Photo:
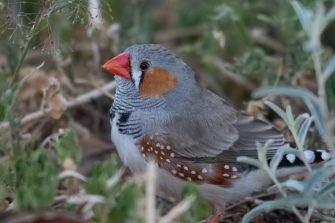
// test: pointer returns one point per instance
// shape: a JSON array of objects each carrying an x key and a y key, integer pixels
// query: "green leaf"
[
  {"x": 96, "y": 184},
  {"x": 36, "y": 181},
  {"x": 199, "y": 209},
  {"x": 67, "y": 146},
  {"x": 2, "y": 6},
  {"x": 125, "y": 208}
]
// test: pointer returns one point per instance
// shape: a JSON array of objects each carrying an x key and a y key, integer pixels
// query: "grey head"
[{"x": 156, "y": 74}]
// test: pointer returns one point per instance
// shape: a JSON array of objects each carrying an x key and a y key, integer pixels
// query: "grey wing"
[
  {"x": 217, "y": 128},
  {"x": 252, "y": 130}
]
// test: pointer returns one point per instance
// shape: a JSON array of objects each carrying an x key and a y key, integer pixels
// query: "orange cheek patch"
[{"x": 157, "y": 82}]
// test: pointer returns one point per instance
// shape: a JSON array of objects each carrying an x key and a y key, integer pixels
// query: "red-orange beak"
[{"x": 118, "y": 65}]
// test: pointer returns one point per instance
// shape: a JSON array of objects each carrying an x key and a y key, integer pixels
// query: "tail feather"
[{"x": 311, "y": 156}]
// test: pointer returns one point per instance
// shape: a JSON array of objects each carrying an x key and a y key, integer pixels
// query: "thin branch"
[
  {"x": 234, "y": 77},
  {"x": 177, "y": 210},
  {"x": 81, "y": 99},
  {"x": 150, "y": 194},
  {"x": 174, "y": 34}
]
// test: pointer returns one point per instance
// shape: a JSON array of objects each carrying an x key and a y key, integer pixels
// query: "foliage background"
[{"x": 58, "y": 160}]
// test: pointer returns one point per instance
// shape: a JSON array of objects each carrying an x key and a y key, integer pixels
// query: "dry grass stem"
[
  {"x": 150, "y": 193},
  {"x": 81, "y": 99},
  {"x": 177, "y": 210}
]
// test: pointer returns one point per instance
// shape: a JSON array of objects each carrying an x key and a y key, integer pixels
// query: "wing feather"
[{"x": 216, "y": 128}]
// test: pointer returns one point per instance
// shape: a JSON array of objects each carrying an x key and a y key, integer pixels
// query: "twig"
[
  {"x": 247, "y": 199},
  {"x": 259, "y": 36},
  {"x": 81, "y": 99},
  {"x": 150, "y": 193},
  {"x": 177, "y": 210},
  {"x": 170, "y": 35},
  {"x": 234, "y": 77}
]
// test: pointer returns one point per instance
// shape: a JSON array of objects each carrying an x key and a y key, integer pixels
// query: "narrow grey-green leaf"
[
  {"x": 310, "y": 100},
  {"x": 294, "y": 184},
  {"x": 315, "y": 110},
  {"x": 315, "y": 178},
  {"x": 276, "y": 109},
  {"x": 302, "y": 132},
  {"x": 250, "y": 161},
  {"x": 289, "y": 115},
  {"x": 329, "y": 68},
  {"x": 328, "y": 188},
  {"x": 330, "y": 16},
  {"x": 288, "y": 91},
  {"x": 283, "y": 203},
  {"x": 299, "y": 120},
  {"x": 305, "y": 16}
]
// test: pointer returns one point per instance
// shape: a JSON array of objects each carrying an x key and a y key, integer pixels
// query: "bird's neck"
[{"x": 127, "y": 99}]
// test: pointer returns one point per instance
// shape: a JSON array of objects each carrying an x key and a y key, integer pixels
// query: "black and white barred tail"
[{"x": 311, "y": 157}]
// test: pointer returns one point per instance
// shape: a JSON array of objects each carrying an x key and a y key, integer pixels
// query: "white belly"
[{"x": 127, "y": 149}]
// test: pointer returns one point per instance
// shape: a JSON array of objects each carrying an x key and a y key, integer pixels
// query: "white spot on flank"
[
  {"x": 189, "y": 178},
  {"x": 162, "y": 153},
  {"x": 181, "y": 174},
  {"x": 226, "y": 167},
  {"x": 193, "y": 172},
  {"x": 200, "y": 177},
  {"x": 178, "y": 165},
  {"x": 174, "y": 171},
  {"x": 156, "y": 152},
  {"x": 234, "y": 169},
  {"x": 168, "y": 147},
  {"x": 225, "y": 175},
  {"x": 185, "y": 168},
  {"x": 142, "y": 148},
  {"x": 172, "y": 154},
  {"x": 290, "y": 157},
  {"x": 167, "y": 160},
  {"x": 234, "y": 176},
  {"x": 162, "y": 147},
  {"x": 161, "y": 157},
  {"x": 158, "y": 145},
  {"x": 309, "y": 156},
  {"x": 204, "y": 170}
]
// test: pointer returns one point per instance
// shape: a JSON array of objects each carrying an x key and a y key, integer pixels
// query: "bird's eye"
[{"x": 144, "y": 65}]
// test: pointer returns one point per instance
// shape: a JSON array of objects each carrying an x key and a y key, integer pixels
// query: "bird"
[{"x": 161, "y": 114}]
